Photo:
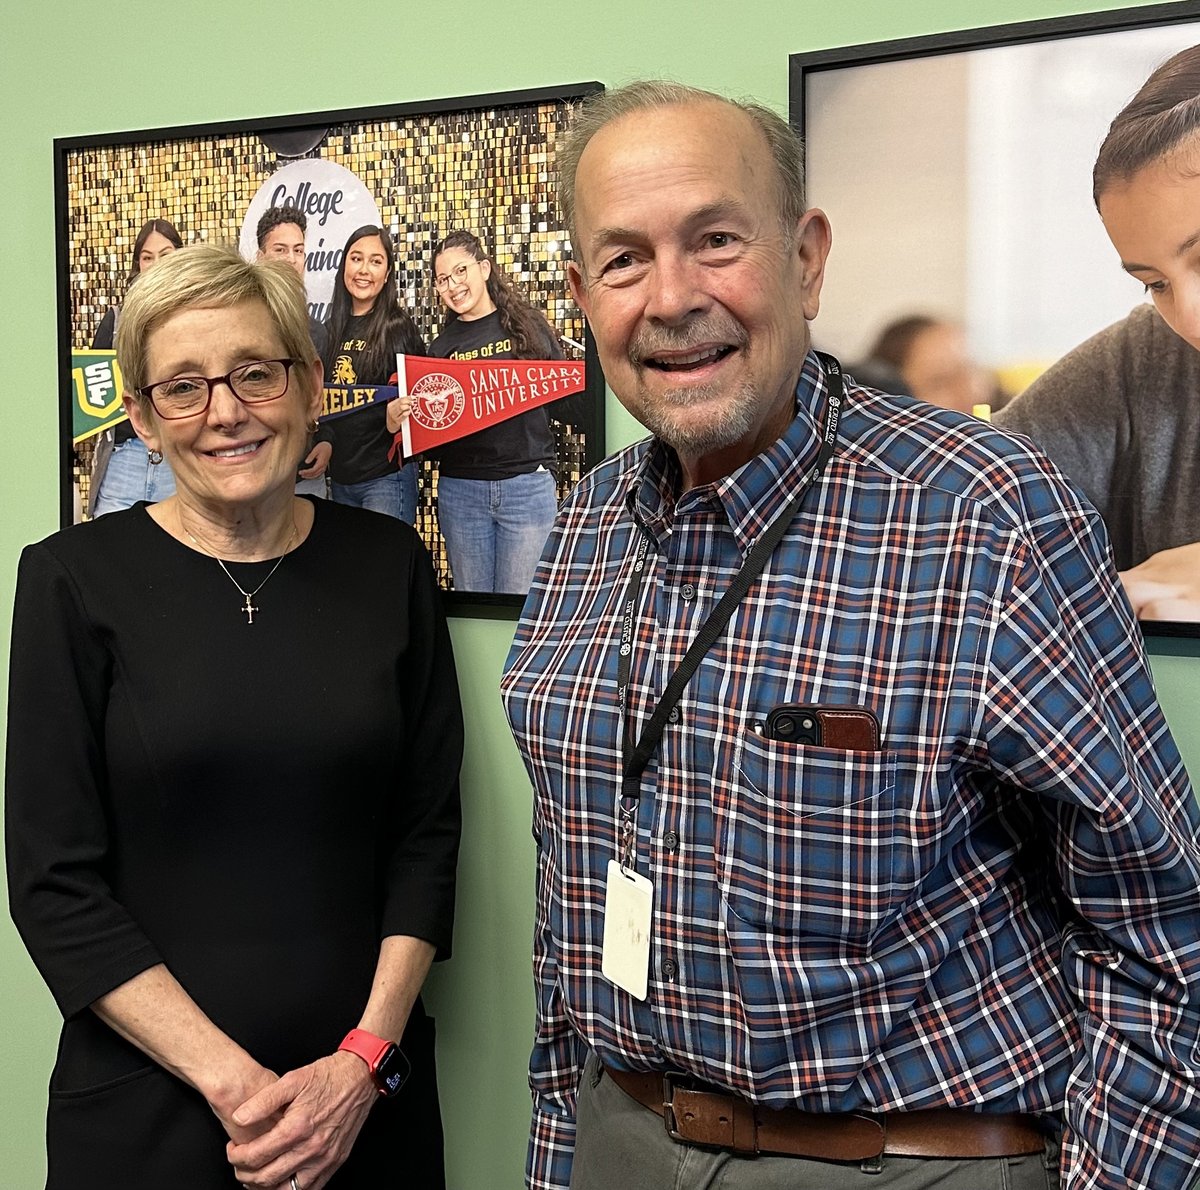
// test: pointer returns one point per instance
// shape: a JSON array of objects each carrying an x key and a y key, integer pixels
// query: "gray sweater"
[{"x": 1120, "y": 415}]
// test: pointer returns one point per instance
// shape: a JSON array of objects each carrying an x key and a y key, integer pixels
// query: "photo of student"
[
  {"x": 1118, "y": 413},
  {"x": 366, "y": 328},
  {"x": 496, "y": 497},
  {"x": 280, "y": 234},
  {"x": 123, "y": 471}
]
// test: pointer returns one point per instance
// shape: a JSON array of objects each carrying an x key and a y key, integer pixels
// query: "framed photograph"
[
  {"x": 481, "y": 165},
  {"x": 956, "y": 171}
]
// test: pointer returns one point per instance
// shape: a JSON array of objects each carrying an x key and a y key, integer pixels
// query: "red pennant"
[{"x": 453, "y": 398}]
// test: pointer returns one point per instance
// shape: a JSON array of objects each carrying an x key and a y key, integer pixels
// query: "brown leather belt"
[{"x": 700, "y": 1115}]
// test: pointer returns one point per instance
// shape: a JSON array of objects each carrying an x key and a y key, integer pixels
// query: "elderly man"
[
  {"x": 865, "y": 857},
  {"x": 280, "y": 235}
]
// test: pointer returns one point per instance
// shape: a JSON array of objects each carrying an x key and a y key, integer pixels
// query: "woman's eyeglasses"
[{"x": 187, "y": 396}]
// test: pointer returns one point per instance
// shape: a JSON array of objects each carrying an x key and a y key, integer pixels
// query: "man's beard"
[
  {"x": 729, "y": 418},
  {"x": 731, "y": 415}
]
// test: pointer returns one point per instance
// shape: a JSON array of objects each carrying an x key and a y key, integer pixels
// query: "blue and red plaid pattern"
[{"x": 999, "y": 910}]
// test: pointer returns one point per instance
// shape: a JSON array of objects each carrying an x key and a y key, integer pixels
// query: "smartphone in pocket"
[{"x": 852, "y": 728}]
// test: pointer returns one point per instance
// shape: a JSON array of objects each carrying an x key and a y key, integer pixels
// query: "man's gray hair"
[{"x": 785, "y": 146}]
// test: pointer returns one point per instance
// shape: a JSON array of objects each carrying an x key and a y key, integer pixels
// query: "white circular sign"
[
  {"x": 438, "y": 401},
  {"x": 334, "y": 202}
]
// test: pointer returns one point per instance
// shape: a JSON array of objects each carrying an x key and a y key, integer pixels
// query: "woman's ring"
[{"x": 295, "y": 1182}]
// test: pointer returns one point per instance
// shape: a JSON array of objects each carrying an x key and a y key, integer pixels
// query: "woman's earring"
[
  {"x": 155, "y": 458},
  {"x": 313, "y": 426}
]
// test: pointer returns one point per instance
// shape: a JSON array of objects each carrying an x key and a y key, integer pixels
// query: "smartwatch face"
[{"x": 392, "y": 1071}]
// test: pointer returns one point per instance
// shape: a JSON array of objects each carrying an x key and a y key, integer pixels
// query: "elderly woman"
[{"x": 232, "y": 783}]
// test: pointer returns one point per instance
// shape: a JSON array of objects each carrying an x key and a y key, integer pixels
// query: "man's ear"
[
  {"x": 143, "y": 423},
  {"x": 813, "y": 239},
  {"x": 578, "y": 288}
]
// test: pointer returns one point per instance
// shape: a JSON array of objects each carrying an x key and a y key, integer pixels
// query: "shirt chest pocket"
[{"x": 807, "y": 839}]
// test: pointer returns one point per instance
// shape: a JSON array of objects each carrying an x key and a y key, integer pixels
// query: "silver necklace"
[{"x": 249, "y": 607}]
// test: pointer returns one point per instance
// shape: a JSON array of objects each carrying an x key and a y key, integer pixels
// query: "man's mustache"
[{"x": 712, "y": 331}]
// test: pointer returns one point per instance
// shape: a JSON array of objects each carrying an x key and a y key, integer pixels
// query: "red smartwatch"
[{"x": 388, "y": 1066}]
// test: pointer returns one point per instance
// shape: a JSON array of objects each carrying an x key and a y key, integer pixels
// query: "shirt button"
[
  {"x": 688, "y": 592},
  {"x": 670, "y": 969},
  {"x": 670, "y": 840},
  {"x": 673, "y": 715}
]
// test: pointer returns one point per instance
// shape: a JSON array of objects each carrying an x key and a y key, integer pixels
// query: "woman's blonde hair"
[{"x": 204, "y": 276}]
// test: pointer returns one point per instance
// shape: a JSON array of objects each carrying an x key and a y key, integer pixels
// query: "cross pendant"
[{"x": 249, "y": 609}]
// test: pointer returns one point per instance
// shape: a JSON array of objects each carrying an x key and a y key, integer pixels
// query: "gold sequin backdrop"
[{"x": 488, "y": 170}]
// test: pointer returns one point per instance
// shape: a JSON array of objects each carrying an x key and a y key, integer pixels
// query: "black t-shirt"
[
  {"x": 514, "y": 447},
  {"x": 360, "y": 440},
  {"x": 319, "y": 335}
]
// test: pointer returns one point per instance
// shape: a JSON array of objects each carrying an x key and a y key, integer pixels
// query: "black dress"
[{"x": 254, "y": 805}]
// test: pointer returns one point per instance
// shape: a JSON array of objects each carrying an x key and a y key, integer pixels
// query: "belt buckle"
[
  {"x": 709, "y": 1118},
  {"x": 668, "y": 1095}
]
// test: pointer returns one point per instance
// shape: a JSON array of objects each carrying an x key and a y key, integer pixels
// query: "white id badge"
[{"x": 626, "y": 955}]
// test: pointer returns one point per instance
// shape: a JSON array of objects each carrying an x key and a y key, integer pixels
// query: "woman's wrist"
[
  {"x": 228, "y": 1083},
  {"x": 356, "y": 1066}
]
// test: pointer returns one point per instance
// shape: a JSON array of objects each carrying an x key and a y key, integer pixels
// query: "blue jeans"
[
  {"x": 130, "y": 477},
  {"x": 312, "y": 487},
  {"x": 496, "y": 529},
  {"x": 394, "y": 494}
]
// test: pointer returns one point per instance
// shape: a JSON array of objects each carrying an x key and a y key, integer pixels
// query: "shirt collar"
[{"x": 755, "y": 493}]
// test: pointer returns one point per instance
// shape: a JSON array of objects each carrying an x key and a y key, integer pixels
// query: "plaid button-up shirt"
[{"x": 999, "y": 909}]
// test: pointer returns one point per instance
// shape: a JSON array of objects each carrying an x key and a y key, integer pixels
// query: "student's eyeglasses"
[{"x": 455, "y": 276}]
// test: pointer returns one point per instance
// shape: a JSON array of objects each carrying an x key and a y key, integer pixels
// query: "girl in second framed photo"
[
  {"x": 1118, "y": 413},
  {"x": 366, "y": 328}
]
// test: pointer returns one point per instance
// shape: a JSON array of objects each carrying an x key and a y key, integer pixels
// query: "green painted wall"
[{"x": 72, "y": 68}]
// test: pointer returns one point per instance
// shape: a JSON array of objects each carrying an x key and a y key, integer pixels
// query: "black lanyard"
[{"x": 637, "y": 756}]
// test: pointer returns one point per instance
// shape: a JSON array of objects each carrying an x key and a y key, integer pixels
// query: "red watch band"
[{"x": 367, "y": 1046}]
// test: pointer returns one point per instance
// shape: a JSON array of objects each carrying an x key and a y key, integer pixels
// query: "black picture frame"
[
  {"x": 513, "y": 211},
  {"x": 805, "y": 67}
]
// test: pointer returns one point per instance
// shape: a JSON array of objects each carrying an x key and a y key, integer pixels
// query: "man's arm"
[
  {"x": 1071, "y": 715},
  {"x": 558, "y": 1053}
]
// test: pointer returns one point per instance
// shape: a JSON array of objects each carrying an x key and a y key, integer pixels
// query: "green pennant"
[{"x": 97, "y": 388}]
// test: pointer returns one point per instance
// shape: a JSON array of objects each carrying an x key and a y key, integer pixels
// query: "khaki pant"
[{"x": 621, "y": 1145}]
